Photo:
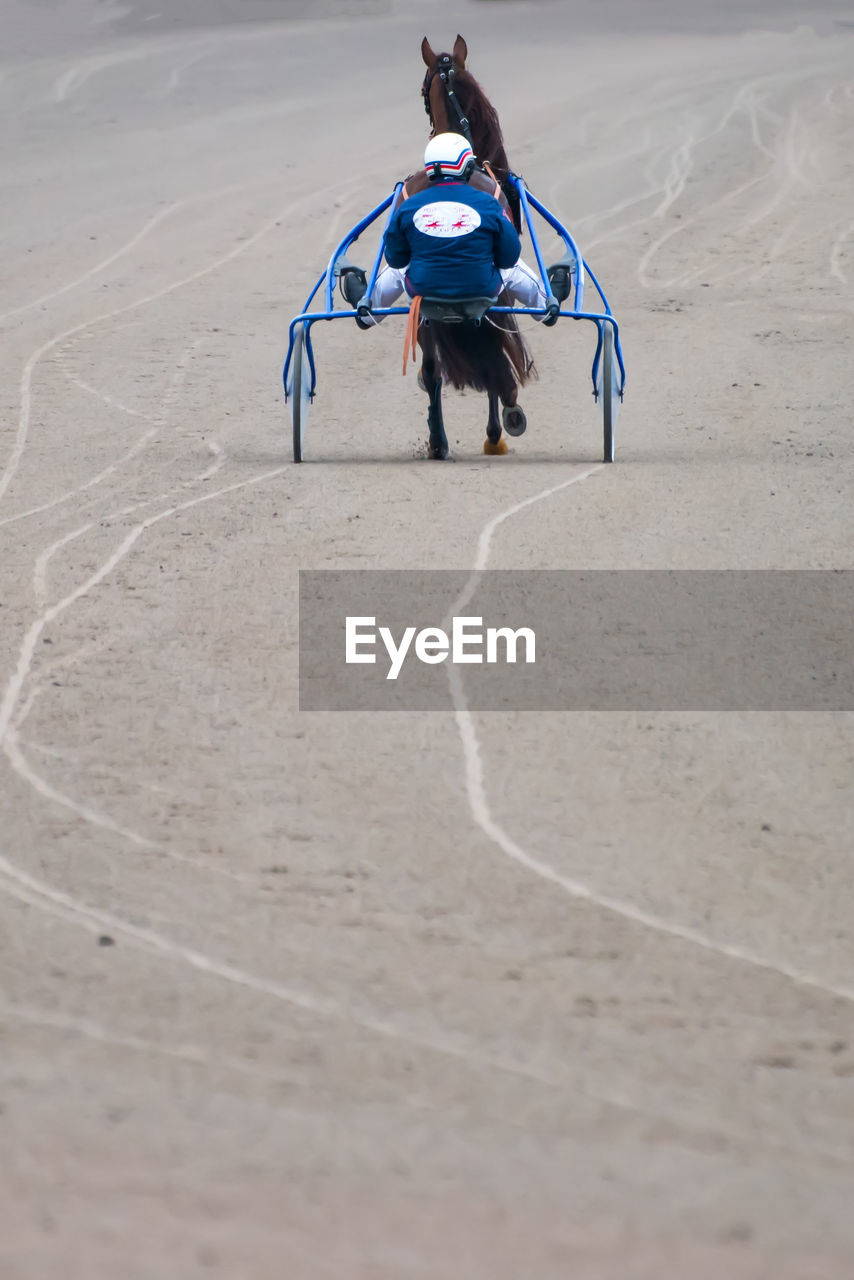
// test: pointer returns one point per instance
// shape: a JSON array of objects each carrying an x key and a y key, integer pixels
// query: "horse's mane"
[{"x": 482, "y": 117}]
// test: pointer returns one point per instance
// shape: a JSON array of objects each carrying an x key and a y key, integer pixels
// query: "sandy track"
[{"x": 471, "y": 995}]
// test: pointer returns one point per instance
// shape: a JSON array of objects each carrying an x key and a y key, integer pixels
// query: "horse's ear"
[
  {"x": 461, "y": 52},
  {"x": 428, "y": 55}
]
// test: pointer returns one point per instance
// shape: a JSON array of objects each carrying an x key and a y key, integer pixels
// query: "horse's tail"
[{"x": 491, "y": 356}]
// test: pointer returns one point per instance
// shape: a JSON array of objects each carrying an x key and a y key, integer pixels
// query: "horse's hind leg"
[
  {"x": 512, "y": 417},
  {"x": 438, "y": 443},
  {"x": 512, "y": 414},
  {"x": 493, "y": 442}
]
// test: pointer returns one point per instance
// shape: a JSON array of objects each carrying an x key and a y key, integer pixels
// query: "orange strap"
[
  {"x": 411, "y": 339},
  {"x": 497, "y": 191}
]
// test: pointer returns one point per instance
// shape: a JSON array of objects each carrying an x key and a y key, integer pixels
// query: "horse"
[{"x": 476, "y": 353}]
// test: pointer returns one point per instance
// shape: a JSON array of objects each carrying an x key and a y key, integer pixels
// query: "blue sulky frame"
[{"x": 608, "y": 373}]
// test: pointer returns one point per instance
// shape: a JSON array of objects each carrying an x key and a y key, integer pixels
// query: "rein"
[
  {"x": 445, "y": 71},
  {"x": 411, "y": 338}
]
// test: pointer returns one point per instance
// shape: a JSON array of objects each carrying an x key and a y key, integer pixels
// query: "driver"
[{"x": 451, "y": 240}]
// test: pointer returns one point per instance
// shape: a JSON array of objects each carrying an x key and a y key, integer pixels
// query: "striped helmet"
[{"x": 449, "y": 155}]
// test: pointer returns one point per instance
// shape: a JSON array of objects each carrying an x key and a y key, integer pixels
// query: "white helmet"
[{"x": 449, "y": 155}]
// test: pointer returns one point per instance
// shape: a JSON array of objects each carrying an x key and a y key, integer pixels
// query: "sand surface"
[{"x": 374, "y": 996}]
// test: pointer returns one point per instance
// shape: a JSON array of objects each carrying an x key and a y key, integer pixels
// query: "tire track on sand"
[
  {"x": 236, "y": 251},
  {"x": 492, "y": 829}
]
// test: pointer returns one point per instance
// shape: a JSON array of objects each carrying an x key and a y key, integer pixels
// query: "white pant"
[{"x": 522, "y": 284}]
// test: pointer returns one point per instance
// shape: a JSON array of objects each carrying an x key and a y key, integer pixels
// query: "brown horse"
[{"x": 485, "y": 355}]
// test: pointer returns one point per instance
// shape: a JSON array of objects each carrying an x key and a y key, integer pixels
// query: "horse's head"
[{"x": 443, "y": 74}]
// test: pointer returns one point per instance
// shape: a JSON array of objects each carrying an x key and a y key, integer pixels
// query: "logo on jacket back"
[{"x": 446, "y": 219}]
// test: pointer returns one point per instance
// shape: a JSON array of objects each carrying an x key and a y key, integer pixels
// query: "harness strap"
[
  {"x": 411, "y": 338},
  {"x": 465, "y": 128},
  {"x": 445, "y": 72},
  {"x": 497, "y": 192}
]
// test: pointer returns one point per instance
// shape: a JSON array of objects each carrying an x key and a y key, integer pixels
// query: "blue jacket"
[{"x": 454, "y": 239}]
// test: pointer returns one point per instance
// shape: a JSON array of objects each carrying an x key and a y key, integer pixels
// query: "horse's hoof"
[
  {"x": 439, "y": 453},
  {"x": 513, "y": 420},
  {"x": 495, "y": 446}
]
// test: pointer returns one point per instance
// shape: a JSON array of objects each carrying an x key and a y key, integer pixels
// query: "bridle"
[{"x": 446, "y": 71}]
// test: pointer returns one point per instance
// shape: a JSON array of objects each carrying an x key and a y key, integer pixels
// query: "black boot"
[
  {"x": 560, "y": 278},
  {"x": 353, "y": 283}
]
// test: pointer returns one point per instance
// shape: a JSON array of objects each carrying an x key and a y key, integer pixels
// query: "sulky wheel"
[
  {"x": 299, "y": 391},
  {"x": 610, "y": 390}
]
